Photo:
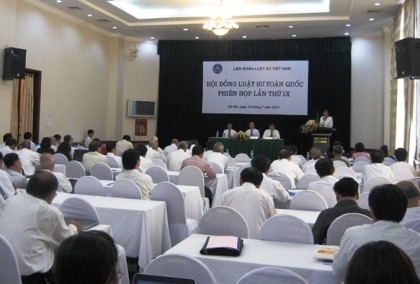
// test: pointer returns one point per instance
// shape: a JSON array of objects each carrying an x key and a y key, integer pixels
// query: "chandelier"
[{"x": 221, "y": 25}]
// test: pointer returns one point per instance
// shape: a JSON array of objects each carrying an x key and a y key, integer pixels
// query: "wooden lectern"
[{"x": 321, "y": 139}]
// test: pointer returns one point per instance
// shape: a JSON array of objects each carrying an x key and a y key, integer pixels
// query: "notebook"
[
  {"x": 84, "y": 223},
  {"x": 153, "y": 279}
]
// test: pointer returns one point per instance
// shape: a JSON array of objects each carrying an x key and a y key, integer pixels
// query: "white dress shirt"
[
  {"x": 176, "y": 158},
  {"x": 254, "y": 204},
  {"x": 64, "y": 184},
  {"x": 155, "y": 154},
  {"x": 324, "y": 186},
  {"x": 34, "y": 229},
  {"x": 218, "y": 158},
  {"x": 30, "y": 161},
  {"x": 124, "y": 145},
  {"x": 18, "y": 180},
  {"x": 275, "y": 134},
  {"x": 403, "y": 165},
  {"x": 375, "y": 170},
  {"x": 92, "y": 158},
  {"x": 169, "y": 149},
  {"x": 274, "y": 189},
  {"x": 231, "y": 134},
  {"x": 118, "y": 159},
  {"x": 145, "y": 164},
  {"x": 411, "y": 213},
  {"x": 87, "y": 141},
  {"x": 326, "y": 122},
  {"x": 309, "y": 166},
  {"x": 288, "y": 168},
  {"x": 144, "y": 181},
  {"x": 355, "y": 237},
  {"x": 6, "y": 185},
  {"x": 252, "y": 133},
  {"x": 6, "y": 150}
]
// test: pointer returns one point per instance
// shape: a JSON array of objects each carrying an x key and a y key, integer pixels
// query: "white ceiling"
[{"x": 264, "y": 19}]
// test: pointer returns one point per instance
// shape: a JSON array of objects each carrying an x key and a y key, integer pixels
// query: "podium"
[{"x": 321, "y": 139}]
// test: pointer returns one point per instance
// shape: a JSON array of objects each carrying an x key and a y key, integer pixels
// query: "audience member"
[
  {"x": 381, "y": 262},
  {"x": 252, "y": 131},
  {"x": 284, "y": 165},
  {"x": 377, "y": 168},
  {"x": 88, "y": 138},
  {"x": 273, "y": 187},
  {"x": 145, "y": 163},
  {"x": 65, "y": 149},
  {"x": 359, "y": 151},
  {"x": 69, "y": 139},
  {"x": 229, "y": 132},
  {"x": 93, "y": 156},
  {"x": 6, "y": 183},
  {"x": 388, "y": 205},
  {"x": 47, "y": 164},
  {"x": 131, "y": 164},
  {"x": 347, "y": 192},
  {"x": 154, "y": 151},
  {"x": 29, "y": 158},
  {"x": 35, "y": 228},
  {"x": 385, "y": 150},
  {"x": 401, "y": 155},
  {"x": 176, "y": 158},
  {"x": 325, "y": 169},
  {"x": 254, "y": 204},
  {"x": 89, "y": 257},
  {"x": 170, "y": 148},
  {"x": 338, "y": 155},
  {"x": 125, "y": 143},
  {"x": 28, "y": 136},
  {"x": 5, "y": 137},
  {"x": 271, "y": 132},
  {"x": 294, "y": 156},
  {"x": 45, "y": 146},
  {"x": 55, "y": 142},
  {"x": 10, "y": 146},
  {"x": 217, "y": 156},
  {"x": 309, "y": 166},
  {"x": 14, "y": 169},
  {"x": 110, "y": 152},
  {"x": 413, "y": 201}
]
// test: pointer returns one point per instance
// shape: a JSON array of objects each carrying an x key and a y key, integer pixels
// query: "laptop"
[
  {"x": 153, "y": 279},
  {"x": 84, "y": 223}
]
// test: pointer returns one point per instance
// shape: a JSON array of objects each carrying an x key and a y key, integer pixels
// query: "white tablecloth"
[
  {"x": 308, "y": 216},
  {"x": 234, "y": 174},
  {"x": 256, "y": 254},
  {"x": 140, "y": 226}
]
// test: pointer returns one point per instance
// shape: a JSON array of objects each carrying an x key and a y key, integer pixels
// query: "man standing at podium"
[{"x": 326, "y": 120}]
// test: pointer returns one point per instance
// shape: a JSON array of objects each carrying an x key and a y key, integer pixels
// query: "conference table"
[
  {"x": 256, "y": 254},
  {"x": 268, "y": 147},
  {"x": 309, "y": 217},
  {"x": 140, "y": 226}
]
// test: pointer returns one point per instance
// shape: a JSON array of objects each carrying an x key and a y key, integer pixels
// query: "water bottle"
[
  {"x": 307, "y": 156},
  {"x": 217, "y": 133},
  {"x": 251, "y": 155},
  {"x": 227, "y": 151}
]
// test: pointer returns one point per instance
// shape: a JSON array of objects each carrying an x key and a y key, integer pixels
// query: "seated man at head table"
[
  {"x": 14, "y": 169},
  {"x": 35, "y": 228},
  {"x": 93, "y": 156},
  {"x": 252, "y": 131},
  {"x": 271, "y": 132},
  {"x": 47, "y": 164},
  {"x": 388, "y": 205},
  {"x": 254, "y": 204},
  {"x": 229, "y": 132},
  {"x": 131, "y": 164},
  {"x": 217, "y": 156},
  {"x": 176, "y": 158},
  {"x": 347, "y": 192},
  {"x": 284, "y": 165},
  {"x": 413, "y": 200},
  {"x": 273, "y": 187}
]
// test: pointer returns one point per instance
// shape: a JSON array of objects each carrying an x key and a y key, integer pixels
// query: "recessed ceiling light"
[
  {"x": 114, "y": 27},
  {"x": 197, "y": 37},
  {"x": 371, "y": 19},
  {"x": 348, "y": 25},
  {"x": 89, "y": 15},
  {"x": 244, "y": 36},
  {"x": 290, "y": 27},
  {"x": 59, "y": 1},
  {"x": 293, "y": 35},
  {"x": 346, "y": 34},
  {"x": 377, "y": 4},
  {"x": 185, "y": 29},
  {"x": 152, "y": 37}
]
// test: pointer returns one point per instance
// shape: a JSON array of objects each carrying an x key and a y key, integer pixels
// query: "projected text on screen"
[{"x": 255, "y": 87}]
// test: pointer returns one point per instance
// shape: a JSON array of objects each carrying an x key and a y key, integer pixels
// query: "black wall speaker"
[
  {"x": 14, "y": 63},
  {"x": 407, "y": 53}
]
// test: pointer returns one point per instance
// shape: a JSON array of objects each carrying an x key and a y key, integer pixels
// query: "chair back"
[
  {"x": 112, "y": 162},
  {"x": 9, "y": 268},
  {"x": 282, "y": 178},
  {"x": 160, "y": 163},
  {"x": 181, "y": 266},
  {"x": 233, "y": 223},
  {"x": 345, "y": 171},
  {"x": 363, "y": 200},
  {"x": 328, "y": 193},
  {"x": 242, "y": 157},
  {"x": 118, "y": 152},
  {"x": 158, "y": 174},
  {"x": 231, "y": 163},
  {"x": 75, "y": 169},
  {"x": 361, "y": 159},
  {"x": 308, "y": 200},
  {"x": 341, "y": 224},
  {"x": 388, "y": 161},
  {"x": 358, "y": 166},
  {"x": 216, "y": 168},
  {"x": 339, "y": 164},
  {"x": 401, "y": 174},
  {"x": 302, "y": 159},
  {"x": 286, "y": 228},
  {"x": 305, "y": 180},
  {"x": 191, "y": 175},
  {"x": 126, "y": 189},
  {"x": 374, "y": 181},
  {"x": 413, "y": 224},
  {"x": 271, "y": 275},
  {"x": 102, "y": 171},
  {"x": 60, "y": 158},
  {"x": 89, "y": 185},
  {"x": 78, "y": 208}
]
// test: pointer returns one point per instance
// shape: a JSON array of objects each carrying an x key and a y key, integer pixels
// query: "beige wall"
[{"x": 88, "y": 75}]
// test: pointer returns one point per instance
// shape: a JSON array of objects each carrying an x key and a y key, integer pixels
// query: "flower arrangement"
[
  {"x": 309, "y": 126},
  {"x": 241, "y": 136}
]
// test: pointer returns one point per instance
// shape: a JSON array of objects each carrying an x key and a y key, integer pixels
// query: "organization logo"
[{"x": 217, "y": 68}]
